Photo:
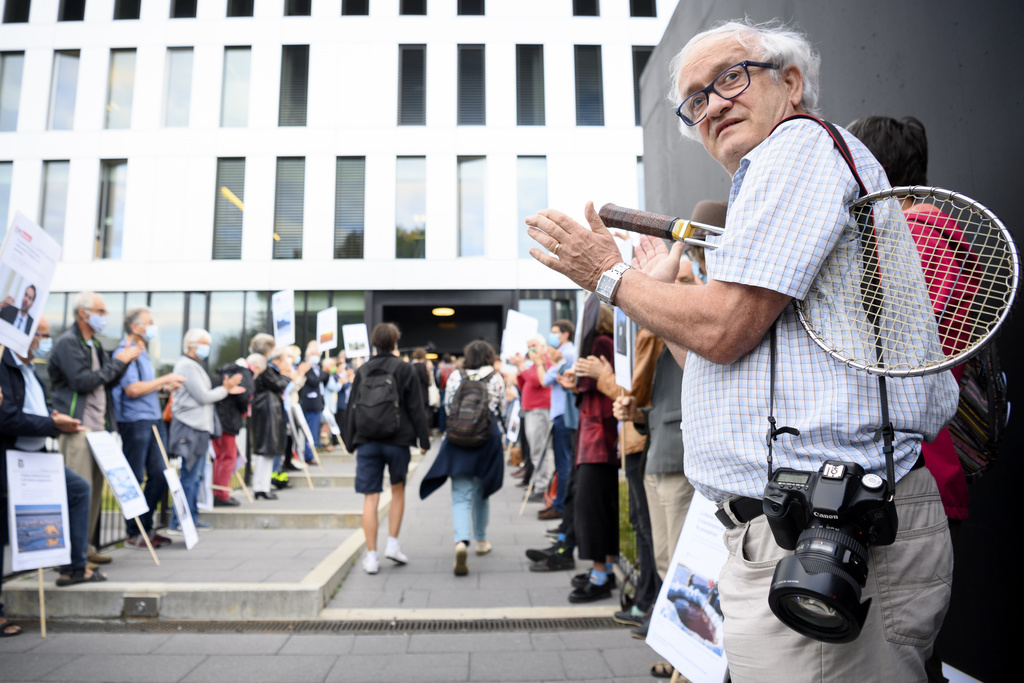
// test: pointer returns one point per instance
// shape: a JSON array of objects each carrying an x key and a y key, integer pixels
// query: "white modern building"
[{"x": 375, "y": 155}]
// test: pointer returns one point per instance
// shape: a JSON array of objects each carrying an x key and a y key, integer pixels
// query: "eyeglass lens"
[{"x": 728, "y": 85}]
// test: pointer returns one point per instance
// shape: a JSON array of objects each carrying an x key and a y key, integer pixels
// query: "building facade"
[{"x": 375, "y": 155}]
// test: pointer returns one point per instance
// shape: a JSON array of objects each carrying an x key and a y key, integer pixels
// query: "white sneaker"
[
  {"x": 396, "y": 555},
  {"x": 371, "y": 565},
  {"x": 460, "y": 559},
  {"x": 483, "y": 547}
]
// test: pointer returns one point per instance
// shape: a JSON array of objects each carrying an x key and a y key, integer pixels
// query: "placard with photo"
[
  {"x": 37, "y": 510},
  {"x": 28, "y": 259}
]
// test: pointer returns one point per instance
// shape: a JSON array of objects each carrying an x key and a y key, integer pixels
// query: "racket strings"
[{"x": 912, "y": 294}]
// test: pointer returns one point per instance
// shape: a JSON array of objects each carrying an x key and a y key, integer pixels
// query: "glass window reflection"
[
  {"x": 63, "y": 88},
  {"x": 169, "y": 316},
  {"x": 179, "y": 86},
  {"x": 411, "y": 207},
  {"x": 532, "y": 196},
  {"x": 472, "y": 182},
  {"x": 226, "y": 319},
  {"x": 121, "y": 85},
  {"x": 55, "y": 198},
  {"x": 235, "y": 93}
]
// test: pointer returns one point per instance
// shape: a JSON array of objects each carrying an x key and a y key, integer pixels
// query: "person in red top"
[{"x": 536, "y": 407}]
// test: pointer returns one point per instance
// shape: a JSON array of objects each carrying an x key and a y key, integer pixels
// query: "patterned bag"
[{"x": 983, "y": 412}]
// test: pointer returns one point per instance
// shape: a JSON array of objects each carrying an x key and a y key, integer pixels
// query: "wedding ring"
[{"x": 554, "y": 251}]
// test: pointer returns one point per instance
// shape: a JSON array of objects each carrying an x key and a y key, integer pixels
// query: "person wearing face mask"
[
  {"x": 311, "y": 397},
  {"x": 82, "y": 374},
  {"x": 137, "y": 410},
  {"x": 193, "y": 419}
]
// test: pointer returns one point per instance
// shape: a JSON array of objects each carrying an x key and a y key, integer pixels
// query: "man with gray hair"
[
  {"x": 82, "y": 374},
  {"x": 735, "y": 88},
  {"x": 137, "y": 410}
]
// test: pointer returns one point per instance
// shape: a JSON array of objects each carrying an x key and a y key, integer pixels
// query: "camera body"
[{"x": 838, "y": 496}]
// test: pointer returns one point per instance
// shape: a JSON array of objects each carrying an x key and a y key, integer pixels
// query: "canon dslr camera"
[{"x": 830, "y": 518}]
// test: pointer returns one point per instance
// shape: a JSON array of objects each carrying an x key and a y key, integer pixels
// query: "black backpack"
[
  {"x": 469, "y": 416},
  {"x": 377, "y": 411}
]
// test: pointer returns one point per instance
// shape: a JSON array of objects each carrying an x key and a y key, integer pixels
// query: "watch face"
[{"x": 604, "y": 286}]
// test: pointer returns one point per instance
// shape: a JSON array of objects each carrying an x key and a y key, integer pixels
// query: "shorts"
[{"x": 370, "y": 461}]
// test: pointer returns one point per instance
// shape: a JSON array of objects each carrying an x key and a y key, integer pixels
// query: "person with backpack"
[
  {"x": 471, "y": 453},
  {"x": 385, "y": 417}
]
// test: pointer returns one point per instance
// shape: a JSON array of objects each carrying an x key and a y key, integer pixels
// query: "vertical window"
[
  {"x": 412, "y": 85},
  {"x": 589, "y": 89},
  {"x": 126, "y": 9},
  {"x": 169, "y": 309},
  {"x": 234, "y": 112},
  {"x": 641, "y": 189},
  {"x": 472, "y": 86},
  {"x": 472, "y": 180},
  {"x": 119, "y": 89},
  {"x": 642, "y": 8},
  {"x": 641, "y": 53},
  {"x": 530, "y": 85},
  {"x": 297, "y": 8},
  {"x": 11, "y": 66},
  {"x": 6, "y": 167},
  {"x": 355, "y": 8},
  {"x": 63, "y": 87},
  {"x": 531, "y": 196},
  {"x": 179, "y": 87},
  {"x": 240, "y": 8},
  {"x": 110, "y": 231},
  {"x": 227, "y": 311},
  {"x": 16, "y": 11},
  {"x": 55, "y": 198},
  {"x": 228, "y": 207},
  {"x": 183, "y": 9},
  {"x": 411, "y": 207},
  {"x": 294, "y": 84},
  {"x": 412, "y": 7},
  {"x": 584, "y": 8},
  {"x": 471, "y": 7},
  {"x": 349, "y": 207},
  {"x": 71, "y": 10},
  {"x": 289, "y": 196}
]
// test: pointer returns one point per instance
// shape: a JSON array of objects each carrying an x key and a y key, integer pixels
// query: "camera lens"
[{"x": 814, "y": 611}]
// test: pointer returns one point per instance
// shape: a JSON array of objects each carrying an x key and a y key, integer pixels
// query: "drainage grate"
[{"x": 393, "y": 626}]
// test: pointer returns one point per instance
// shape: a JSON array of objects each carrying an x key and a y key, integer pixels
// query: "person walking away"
[
  {"x": 385, "y": 418},
  {"x": 471, "y": 453}
]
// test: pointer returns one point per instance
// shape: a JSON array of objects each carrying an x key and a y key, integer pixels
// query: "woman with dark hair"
[
  {"x": 476, "y": 473},
  {"x": 384, "y": 419},
  {"x": 597, "y": 470}
]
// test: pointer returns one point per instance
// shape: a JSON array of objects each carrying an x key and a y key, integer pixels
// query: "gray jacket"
[
  {"x": 665, "y": 453},
  {"x": 192, "y": 404}
]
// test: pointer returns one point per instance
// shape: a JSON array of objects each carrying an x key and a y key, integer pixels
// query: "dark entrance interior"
[{"x": 420, "y": 327}]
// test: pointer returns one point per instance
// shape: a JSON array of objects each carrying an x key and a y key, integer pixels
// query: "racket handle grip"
[{"x": 635, "y": 220}]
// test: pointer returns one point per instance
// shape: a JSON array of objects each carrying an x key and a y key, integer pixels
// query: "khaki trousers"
[
  {"x": 668, "y": 500},
  {"x": 909, "y": 583},
  {"x": 78, "y": 458}
]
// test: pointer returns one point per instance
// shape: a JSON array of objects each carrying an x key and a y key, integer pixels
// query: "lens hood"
[{"x": 816, "y": 602}]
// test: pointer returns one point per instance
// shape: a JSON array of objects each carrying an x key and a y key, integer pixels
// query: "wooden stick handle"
[
  {"x": 160, "y": 442},
  {"x": 42, "y": 605},
  {"x": 241, "y": 480},
  {"x": 634, "y": 220},
  {"x": 149, "y": 545}
]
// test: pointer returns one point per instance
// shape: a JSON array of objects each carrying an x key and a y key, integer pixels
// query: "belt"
[{"x": 748, "y": 509}]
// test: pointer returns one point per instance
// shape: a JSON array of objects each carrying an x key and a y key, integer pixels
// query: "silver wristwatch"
[{"x": 609, "y": 283}]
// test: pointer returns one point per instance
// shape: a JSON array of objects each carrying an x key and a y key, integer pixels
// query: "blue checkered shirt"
[{"x": 788, "y": 205}]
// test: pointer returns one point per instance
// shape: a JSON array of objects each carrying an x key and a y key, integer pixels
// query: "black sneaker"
[
  {"x": 640, "y": 632},
  {"x": 581, "y": 580},
  {"x": 555, "y": 562},
  {"x": 630, "y": 617},
  {"x": 541, "y": 555},
  {"x": 230, "y": 502},
  {"x": 591, "y": 592}
]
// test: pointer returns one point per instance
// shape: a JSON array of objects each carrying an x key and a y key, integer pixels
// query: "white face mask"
[
  {"x": 151, "y": 333},
  {"x": 313, "y": 358},
  {"x": 203, "y": 351}
]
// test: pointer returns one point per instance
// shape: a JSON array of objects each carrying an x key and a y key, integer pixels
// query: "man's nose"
[{"x": 717, "y": 104}]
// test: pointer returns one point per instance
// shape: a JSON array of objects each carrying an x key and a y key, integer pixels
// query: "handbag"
[{"x": 433, "y": 394}]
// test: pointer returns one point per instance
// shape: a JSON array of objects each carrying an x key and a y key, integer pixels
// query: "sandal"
[
  {"x": 9, "y": 630},
  {"x": 78, "y": 576},
  {"x": 662, "y": 669}
]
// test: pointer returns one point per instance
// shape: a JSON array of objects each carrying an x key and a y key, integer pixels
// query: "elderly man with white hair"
[
  {"x": 192, "y": 411},
  {"x": 536, "y": 402},
  {"x": 736, "y": 88}
]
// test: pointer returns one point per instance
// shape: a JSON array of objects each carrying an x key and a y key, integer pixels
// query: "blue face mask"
[
  {"x": 203, "y": 351},
  {"x": 553, "y": 340},
  {"x": 97, "y": 322},
  {"x": 151, "y": 333},
  {"x": 45, "y": 346}
]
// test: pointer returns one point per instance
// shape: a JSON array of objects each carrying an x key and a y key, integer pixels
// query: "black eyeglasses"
[{"x": 728, "y": 85}]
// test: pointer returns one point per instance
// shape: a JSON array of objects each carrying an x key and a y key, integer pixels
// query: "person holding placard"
[
  {"x": 137, "y": 409},
  {"x": 25, "y": 423},
  {"x": 82, "y": 374},
  {"x": 192, "y": 423},
  {"x": 311, "y": 397}
]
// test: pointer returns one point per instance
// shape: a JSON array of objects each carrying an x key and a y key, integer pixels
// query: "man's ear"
[{"x": 794, "y": 81}]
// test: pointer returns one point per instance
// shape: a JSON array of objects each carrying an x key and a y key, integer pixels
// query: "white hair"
[
  {"x": 193, "y": 338},
  {"x": 772, "y": 42},
  {"x": 257, "y": 361},
  {"x": 539, "y": 338},
  {"x": 83, "y": 302}
]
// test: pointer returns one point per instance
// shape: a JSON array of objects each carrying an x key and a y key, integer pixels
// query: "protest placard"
[
  {"x": 116, "y": 471},
  {"x": 28, "y": 259},
  {"x": 357, "y": 341},
  {"x": 686, "y": 622},
  {"x": 625, "y": 339},
  {"x": 282, "y": 308},
  {"x": 518, "y": 328},
  {"x": 327, "y": 329},
  {"x": 37, "y": 510},
  {"x": 188, "y": 525}
]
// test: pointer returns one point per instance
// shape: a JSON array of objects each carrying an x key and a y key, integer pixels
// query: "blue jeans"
[
  {"x": 197, "y": 443},
  {"x": 561, "y": 443},
  {"x": 143, "y": 452},
  {"x": 78, "y": 519},
  {"x": 313, "y": 420},
  {"x": 467, "y": 494}
]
